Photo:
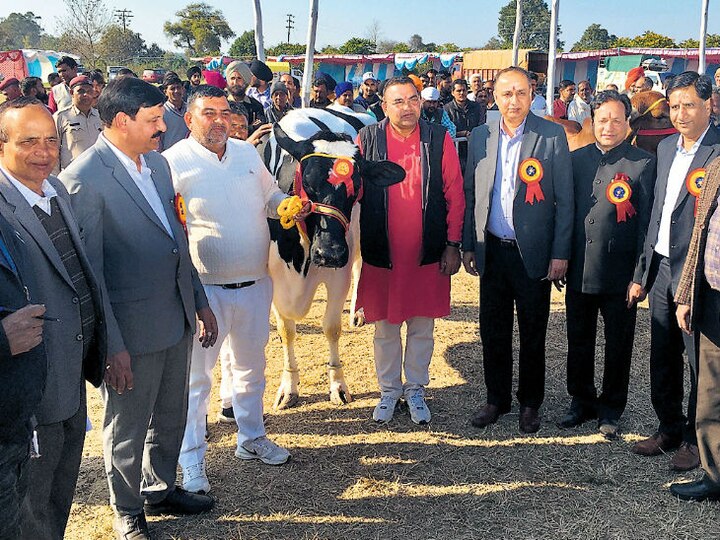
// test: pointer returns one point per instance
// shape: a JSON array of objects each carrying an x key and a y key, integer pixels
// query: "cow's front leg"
[
  {"x": 287, "y": 394},
  {"x": 332, "y": 328}
]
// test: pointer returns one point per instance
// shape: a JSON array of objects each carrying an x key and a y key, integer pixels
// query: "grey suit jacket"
[
  {"x": 152, "y": 286},
  {"x": 53, "y": 287},
  {"x": 543, "y": 229},
  {"x": 683, "y": 215}
]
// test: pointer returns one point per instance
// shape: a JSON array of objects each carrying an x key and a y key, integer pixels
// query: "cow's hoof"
[
  {"x": 358, "y": 319},
  {"x": 286, "y": 401},
  {"x": 340, "y": 397}
]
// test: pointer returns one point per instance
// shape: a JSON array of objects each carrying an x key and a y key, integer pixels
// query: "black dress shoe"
[
  {"x": 131, "y": 527},
  {"x": 699, "y": 490},
  {"x": 529, "y": 420},
  {"x": 608, "y": 428},
  {"x": 181, "y": 502},
  {"x": 576, "y": 416}
]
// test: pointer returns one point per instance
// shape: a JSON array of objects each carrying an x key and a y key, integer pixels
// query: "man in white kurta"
[{"x": 228, "y": 194}]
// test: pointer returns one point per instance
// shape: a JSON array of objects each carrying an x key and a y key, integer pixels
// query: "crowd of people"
[{"x": 135, "y": 268}]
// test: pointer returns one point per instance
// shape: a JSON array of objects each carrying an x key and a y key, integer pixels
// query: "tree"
[
  {"x": 119, "y": 47},
  {"x": 712, "y": 40},
  {"x": 200, "y": 29},
  {"x": 648, "y": 39},
  {"x": 357, "y": 45},
  {"x": 82, "y": 27},
  {"x": 535, "y": 30},
  {"x": 374, "y": 32},
  {"x": 447, "y": 48},
  {"x": 20, "y": 30},
  {"x": 416, "y": 43},
  {"x": 595, "y": 37},
  {"x": 330, "y": 49},
  {"x": 388, "y": 46},
  {"x": 286, "y": 48},
  {"x": 493, "y": 44},
  {"x": 244, "y": 45}
]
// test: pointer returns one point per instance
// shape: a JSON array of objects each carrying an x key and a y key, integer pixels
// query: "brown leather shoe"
[
  {"x": 529, "y": 420},
  {"x": 658, "y": 444},
  {"x": 489, "y": 414},
  {"x": 686, "y": 458}
]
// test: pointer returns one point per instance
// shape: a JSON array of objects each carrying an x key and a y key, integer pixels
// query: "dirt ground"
[{"x": 352, "y": 479}]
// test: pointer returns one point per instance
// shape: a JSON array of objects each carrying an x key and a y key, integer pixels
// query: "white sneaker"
[
  {"x": 385, "y": 409},
  {"x": 419, "y": 412},
  {"x": 194, "y": 478},
  {"x": 263, "y": 449}
]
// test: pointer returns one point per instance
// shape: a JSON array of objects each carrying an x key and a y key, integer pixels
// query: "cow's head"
[{"x": 331, "y": 173}]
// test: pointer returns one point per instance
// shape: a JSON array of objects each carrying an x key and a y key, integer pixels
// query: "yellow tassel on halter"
[{"x": 288, "y": 209}]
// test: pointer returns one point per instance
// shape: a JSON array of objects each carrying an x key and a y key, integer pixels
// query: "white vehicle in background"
[{"x": 654, "y": 68}]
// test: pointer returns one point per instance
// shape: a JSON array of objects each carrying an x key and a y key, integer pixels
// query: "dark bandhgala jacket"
[
  {"x": 608, "y": 236},
  {"x": 374, "y": 241}
]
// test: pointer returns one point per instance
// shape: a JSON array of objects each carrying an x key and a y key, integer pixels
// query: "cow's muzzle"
[{"x": 328, "y": 252}]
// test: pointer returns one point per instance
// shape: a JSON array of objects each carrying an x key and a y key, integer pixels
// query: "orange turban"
[
  {"x": 416, "y": 81},
  {"x": 633, "y": 75}
]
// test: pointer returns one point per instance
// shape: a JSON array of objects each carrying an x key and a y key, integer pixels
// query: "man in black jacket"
[
  {"x": 465, "y": 114},
  {"x": 613, "y": 190},
  {"x": 22, "y": 377}
]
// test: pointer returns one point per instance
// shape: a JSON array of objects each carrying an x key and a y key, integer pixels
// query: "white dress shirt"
[
  {"x": 33, "y": 199},
  {"x": 143, "y": 180},
  {"x": 500, "y": 221},
  {"x": 578, "y": 110},
  {"x": 675, "y": 184}
]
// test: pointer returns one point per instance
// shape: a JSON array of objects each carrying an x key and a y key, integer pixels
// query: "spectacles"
[{"x": 412, "y": 101}]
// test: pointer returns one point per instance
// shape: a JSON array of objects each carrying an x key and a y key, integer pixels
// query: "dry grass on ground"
[{"x": 355, "y": 480}]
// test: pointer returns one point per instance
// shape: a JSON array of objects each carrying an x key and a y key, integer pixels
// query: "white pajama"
[
  {"x": 390, "y": 363},
  {"x": 243, "y": 317}
]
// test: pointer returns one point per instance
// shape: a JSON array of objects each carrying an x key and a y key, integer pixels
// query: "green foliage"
[
  {"x": 244, "y": 46},
  {"x": 648, "y": 39},
  {"x": 535, "y": 29},
  {"x": 595, "y": 37},
  {"x": 330, "y": 49},
  {"x": 416, "y": 44},
  {"x": 200, "y": 29},
  {"x": 494, "y": 43},
  {"x": 20, "y": 30},
  {"x": 357, "y": 45},
  {"x": 286, "y": 48},
  {"x": 391, "y": 46},
  {"x": 447, "y": 48},
  {"x": 119, "y": 47},
  {"x": 711, "y": 40}
]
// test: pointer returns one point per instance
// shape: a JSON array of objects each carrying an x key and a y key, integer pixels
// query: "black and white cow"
[{"x": 329, "y": 172}]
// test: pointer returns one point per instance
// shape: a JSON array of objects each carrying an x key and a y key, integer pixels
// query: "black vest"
[{"x": 374, "y": 242}]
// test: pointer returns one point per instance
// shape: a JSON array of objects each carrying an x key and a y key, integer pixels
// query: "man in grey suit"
[
  {"x": 682, "y": 160},
  {"x": 37, "y": 206},
  {"x": 517, "y": 234},
  {"x": 123, "y": 196}
]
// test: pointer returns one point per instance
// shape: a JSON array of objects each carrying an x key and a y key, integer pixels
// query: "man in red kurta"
[{"x": 410, "y": 240}]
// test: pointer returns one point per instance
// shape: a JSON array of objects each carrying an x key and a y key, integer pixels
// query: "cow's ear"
[
  {"x": 381, "y": 173},
  {"x": 294, "y": 148}
]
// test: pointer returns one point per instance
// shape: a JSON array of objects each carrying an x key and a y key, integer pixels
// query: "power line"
[
  {"x": 123, "y": 16},
  {"x": 290, "y": 26}
]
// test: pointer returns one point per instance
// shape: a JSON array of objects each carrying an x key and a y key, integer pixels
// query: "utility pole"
[
  {"x": 290, "y": 26},
  {"x": 123, "y": 16}
]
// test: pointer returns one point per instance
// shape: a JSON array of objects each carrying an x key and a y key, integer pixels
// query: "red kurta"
[{"x": 409, "y": 289}]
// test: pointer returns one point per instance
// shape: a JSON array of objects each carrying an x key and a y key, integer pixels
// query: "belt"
[
  {"x": 236, "y": 285},
  {"x": 504, "y": 242}
]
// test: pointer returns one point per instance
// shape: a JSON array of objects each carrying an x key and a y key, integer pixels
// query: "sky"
[{"x": 468, "y": 23}]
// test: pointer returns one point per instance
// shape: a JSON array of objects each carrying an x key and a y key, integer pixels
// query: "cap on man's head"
[
  {"x": 261, "y": 71},
  {"x": 330, "y": 83},
  {"x": 80, "y": 80},
  {"x": 343, "y": 87},
  {"x": 8, "y": 83},
  {"x": 369, "y": 76},
  {"x": 430, "y": 93},
  {"x": 278, "y": 87},
  {"x": 239, "y": 67}
]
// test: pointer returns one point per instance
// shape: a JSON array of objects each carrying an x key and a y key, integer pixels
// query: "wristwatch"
[{"x": 453, "y": 244}]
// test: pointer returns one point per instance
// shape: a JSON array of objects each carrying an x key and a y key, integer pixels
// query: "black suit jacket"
[
  {"x": 22, "y": 377},
  {"x": 606, "y": 252},
  {"x": 683, "y": 215}
]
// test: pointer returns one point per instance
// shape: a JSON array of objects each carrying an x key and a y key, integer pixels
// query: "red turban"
[
  {"x": 214, "y": 78},
  {"x": 633, "y": 75}
]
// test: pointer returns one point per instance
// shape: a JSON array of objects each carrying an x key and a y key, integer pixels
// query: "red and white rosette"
[
  {"x": 531, "y": 172},
  {"x": 694, "y": 182},
  {"x": 619, "y": 192}
]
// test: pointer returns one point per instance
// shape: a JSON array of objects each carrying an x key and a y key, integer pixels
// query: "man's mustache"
[{"x": 157, "y": 134}]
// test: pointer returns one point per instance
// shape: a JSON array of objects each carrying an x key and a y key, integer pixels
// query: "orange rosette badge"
[
  {"x": 619, "y": 192},
  {"x": 341, "y": 173},
  {"x": 181, "y": 211},
  {"x": 694, "y": 182},
  {"x": 531, "y": 172}
]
